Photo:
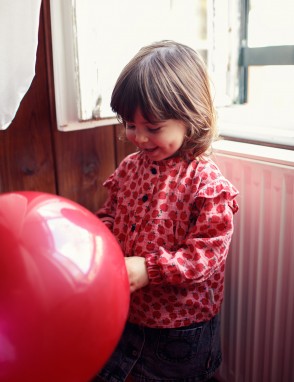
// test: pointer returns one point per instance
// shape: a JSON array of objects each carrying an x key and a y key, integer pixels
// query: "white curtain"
[{"x": 19, "y": 24}]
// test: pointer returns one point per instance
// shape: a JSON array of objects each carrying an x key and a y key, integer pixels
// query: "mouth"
[{"x": 150, "y": 150}]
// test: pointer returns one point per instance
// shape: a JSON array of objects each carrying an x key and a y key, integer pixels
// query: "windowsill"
[
  {"x": 83, "y": 125},
  {"x": 249, "y": 151},
  {"x": 261, "y": 126}
]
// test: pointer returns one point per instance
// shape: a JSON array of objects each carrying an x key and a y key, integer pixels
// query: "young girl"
[{"x": 171, "y": 210}]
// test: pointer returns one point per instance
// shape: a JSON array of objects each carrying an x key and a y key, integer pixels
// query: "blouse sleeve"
[
  {"x": 207, "y": 243},
  {"x": 107, "y": 212}
]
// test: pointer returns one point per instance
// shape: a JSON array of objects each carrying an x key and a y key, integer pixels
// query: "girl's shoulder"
[
  {"x": 205, "y": 168},
  {"x": 211, "y": 181}
]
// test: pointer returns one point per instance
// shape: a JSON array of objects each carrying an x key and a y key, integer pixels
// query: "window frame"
[{"x": 257, "y": 56}]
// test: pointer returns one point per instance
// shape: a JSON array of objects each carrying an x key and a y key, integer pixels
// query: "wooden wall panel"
[
  {"x": 26, "y": 157},
  {"x": 84, "y": 160}
]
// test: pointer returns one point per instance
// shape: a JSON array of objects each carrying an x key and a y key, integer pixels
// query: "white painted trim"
[{"x": 272, "y": 155}]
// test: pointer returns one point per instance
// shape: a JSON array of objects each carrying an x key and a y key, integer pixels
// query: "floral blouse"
[{"x": 178, "y": 214}]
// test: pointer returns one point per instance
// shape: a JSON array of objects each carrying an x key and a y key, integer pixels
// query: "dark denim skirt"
[{"x": 187, "y": 354}]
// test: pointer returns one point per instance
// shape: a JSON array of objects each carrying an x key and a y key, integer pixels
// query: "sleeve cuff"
[{"x": 153, "y": 269}]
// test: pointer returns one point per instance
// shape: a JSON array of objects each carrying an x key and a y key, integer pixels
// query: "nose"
[{"x": 141, "y": 137}]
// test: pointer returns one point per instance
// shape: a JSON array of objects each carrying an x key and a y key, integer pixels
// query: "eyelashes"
[{"x": 152, "y": 130}]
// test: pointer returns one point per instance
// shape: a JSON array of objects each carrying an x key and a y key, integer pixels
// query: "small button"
[
  {"x": 133, "y": 227},
  {"x": 153, "y": 170},
  {"x": 145, "y": 198}
]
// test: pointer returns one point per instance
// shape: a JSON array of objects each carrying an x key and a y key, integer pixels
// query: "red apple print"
[
  {"x": 209, "y": 253},
  {"x": 150, "y": 247},
  {"x": 181, "y": 231},
  {"x": 209, "y": 206},
  {"x": 184, "y": 215},
  {"x": 148, "y": 228},
  {"x": 161, "y": 195},
  {"x": 212, "y": 232},
  {"x": 180, "y": 205},
  {"x": 221, "y": 227},
  {"x": 168, "y": 224},
  {"x": 205, "y": 301},
  {"x": 199, "y": 267},
  {"x": 215, "y": 219},
  {"x": 160, "y": 241},
  {"x": 123, "y": 209},
  {"x": 201, "y": 218},
  {"x": 190, "y": 274},
  {"x": 163, "y": 260},
  {"x": 161, "y": 229},
  {"x": 138, "y": 210},
  {"x": 211, "y": 263},
  {"x": 156, "y": 306},
  {"x": 182, "y": 188},
  {"x": 176, "y": 279},
  {"x": 172, "y": 198},
  {"x": 155, "y": 214},
  {"x": 173, "y": 173},
  {"x": 173, "y": 184},
  {"x": 181, "y": 261},
  {"x": 172, "y": 215},
  {"x": 151, "y": 236},
  {"x": 188, "y": 255},
  {"x": 200, "y": 244},
  {"x": 209, "y": 190},
  {"x": 164, "y": 207}
]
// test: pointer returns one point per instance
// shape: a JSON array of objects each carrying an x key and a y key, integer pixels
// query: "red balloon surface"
[{"x": 64, "y": 290}]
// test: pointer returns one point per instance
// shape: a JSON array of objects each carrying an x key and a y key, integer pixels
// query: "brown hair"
[{"x": 168, "y": 80}]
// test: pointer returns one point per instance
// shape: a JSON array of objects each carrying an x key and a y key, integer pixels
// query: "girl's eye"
[
  {"x": 154, "y": 130},
  {"x": 130, "y": 127}
]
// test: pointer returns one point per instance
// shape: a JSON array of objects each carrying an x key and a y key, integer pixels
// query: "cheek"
[{"x": 130, "y": 135}]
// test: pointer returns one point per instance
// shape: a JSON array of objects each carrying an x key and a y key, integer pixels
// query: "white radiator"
[{"x": 258, "y": 309}]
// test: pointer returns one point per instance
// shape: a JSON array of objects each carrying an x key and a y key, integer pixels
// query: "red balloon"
[{"x": 64, "y": 290}]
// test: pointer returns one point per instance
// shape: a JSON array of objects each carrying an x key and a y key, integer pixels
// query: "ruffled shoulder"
[{"x": 213, "y": 184}]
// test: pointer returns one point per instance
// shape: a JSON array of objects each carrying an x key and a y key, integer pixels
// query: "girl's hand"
[{"x": 137, "y": 272}]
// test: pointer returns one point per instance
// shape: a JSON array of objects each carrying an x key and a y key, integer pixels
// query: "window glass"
[
  {"x": 110, "y": 32},
  {"x": 270, "y": 22}
]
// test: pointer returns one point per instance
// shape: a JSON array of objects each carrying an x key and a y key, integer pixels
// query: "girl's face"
[{"x": 159, "y": 140}]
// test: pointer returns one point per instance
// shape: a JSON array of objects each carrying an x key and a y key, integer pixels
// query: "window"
[
  {"x": 98, "y": 38},
  {"x": 265, "y": 76},
  {"x": 248, "y": 46}
]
